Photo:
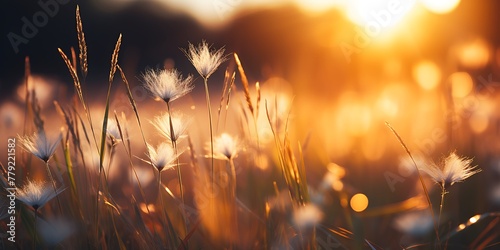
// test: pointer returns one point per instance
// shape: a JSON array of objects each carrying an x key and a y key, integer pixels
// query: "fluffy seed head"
[
  {"x": 416, "y": 223},
  {"x": 36, "y": 194},
  {"x": 307, "y": 216},
  {"x": 179, "y": 126},
  {"x": 162, "y": 157},
  {"x": 39, "y": 145},
  {"x": 452, "y": 169},
  {"x": 204, "y": 60},
  {"x": 113, "y": 131},
  {"x": 226, "y": 147},
  {"x": 167, "y": 85}
]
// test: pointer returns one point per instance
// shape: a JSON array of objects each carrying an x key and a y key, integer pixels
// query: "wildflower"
[
  {"x": 162, "y": 157},
  {"x": 417, "y": 223},
  {"x": 225, "y": 147},
  {"x": 167, "y": 85},
  {"x": 333, "y": 178},
  {"x": 37, "y": 194},
  {"x": 204, "y": 60},
  {"x": 39, "y": 145},
  {"x": 179, "y": 126},
  {"x": 453, "y": 169},
  {"x": 113, "y": 131},
  {"x": 307, "y": 216}
]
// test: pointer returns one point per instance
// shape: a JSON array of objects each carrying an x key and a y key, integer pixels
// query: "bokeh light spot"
[
  {"x": 461, "y": 84},
  {"x": 359, "y": 202},
  {"x": 427, "y": 74}
]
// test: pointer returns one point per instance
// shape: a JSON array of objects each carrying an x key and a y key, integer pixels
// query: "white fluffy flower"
[
  {"x": 37, "y": 194},
  {"x": 162, "y": 157},
  {"x": 226, "y": 147},
  {"x": 167, "y": 85},
  {"x": 416, "y": 223},
  {"x": 179, "y": 126},
  {"x": 452, "y": 169},
  {"x": 39, "y": 145},
  {"x": 307, "y": 216},
  {"x": 204, "y": 60}
]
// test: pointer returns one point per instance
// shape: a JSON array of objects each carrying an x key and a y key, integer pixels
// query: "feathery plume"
[
  {"x": 452, "y": 169},
  {"x": 203, "y": 59},
  {"x": 226, "y": 147},
  {"x": 167, "y": 85},
  {"x": 162, "y": 157},
  {"x": 179, "y": 126},
  {"x": 36, "y": 194},
  {"x": 39, "y": 145},
  {"x": 113, "y": 131},
  {"x": 416, "y": 223},
  {"x": 307, "y": 216}
]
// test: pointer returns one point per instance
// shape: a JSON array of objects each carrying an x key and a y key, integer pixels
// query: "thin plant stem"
[
  {"x": 161, "y": 198},
  {"x": 35, "y": 232},
  {"x": 443, "y": 192},
  {"x": 233, "y": 196},
  {"x": 166, "y": 221},
  {"x": 53, "y": 184},
  {"x": 205, "y": 80},
  {"x": 179, "y": 175}
]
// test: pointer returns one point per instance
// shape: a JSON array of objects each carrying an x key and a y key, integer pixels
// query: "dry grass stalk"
[
  {"x": 82, "y": 46},
  {"x": 419, "y": 176},
  {"x": 257, "y": 102},
  {"x": 244, "y": 81}
]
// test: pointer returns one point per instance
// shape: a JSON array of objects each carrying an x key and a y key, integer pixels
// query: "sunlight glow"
[
  {"x": 385, "y": 13},
  {"x": 440, "y": 6}
]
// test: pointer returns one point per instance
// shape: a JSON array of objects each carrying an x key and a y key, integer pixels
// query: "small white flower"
[
  {"x": 39, "y": 145},
  {"x": 162, "y": 157},
  {"x": 225, "y": 147},
  {"x": 416, "y": 223},
  {"x": 452, "y": 169},
  {"x": 204, "y": 60},
  {"x": 113, "y": 131},
  {"x": 307, "y": 216},
  {"x": 179, "y": 125},
  {"x": 36, "y": 194},
  {"x": 167, "y": 85}
]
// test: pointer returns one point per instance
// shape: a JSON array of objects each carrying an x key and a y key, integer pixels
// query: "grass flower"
[
  {"x": 452, "y": 169},
  {"x": 162, "y": 157},
  {"x": 167, "y": 85},
  {"x": 417, "y": 223},
  {"x": 113, "y": 131},
  {"x": 203, "y": 59},
  {"x": 174, "y": 133},
  {"x": 36, "y": 194},
  {"x": 307, "y": 216},
  {"x": 225, "y": 147},
  {"x": 206, "y": 62},
  {"x": 39, "y": 145}
]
